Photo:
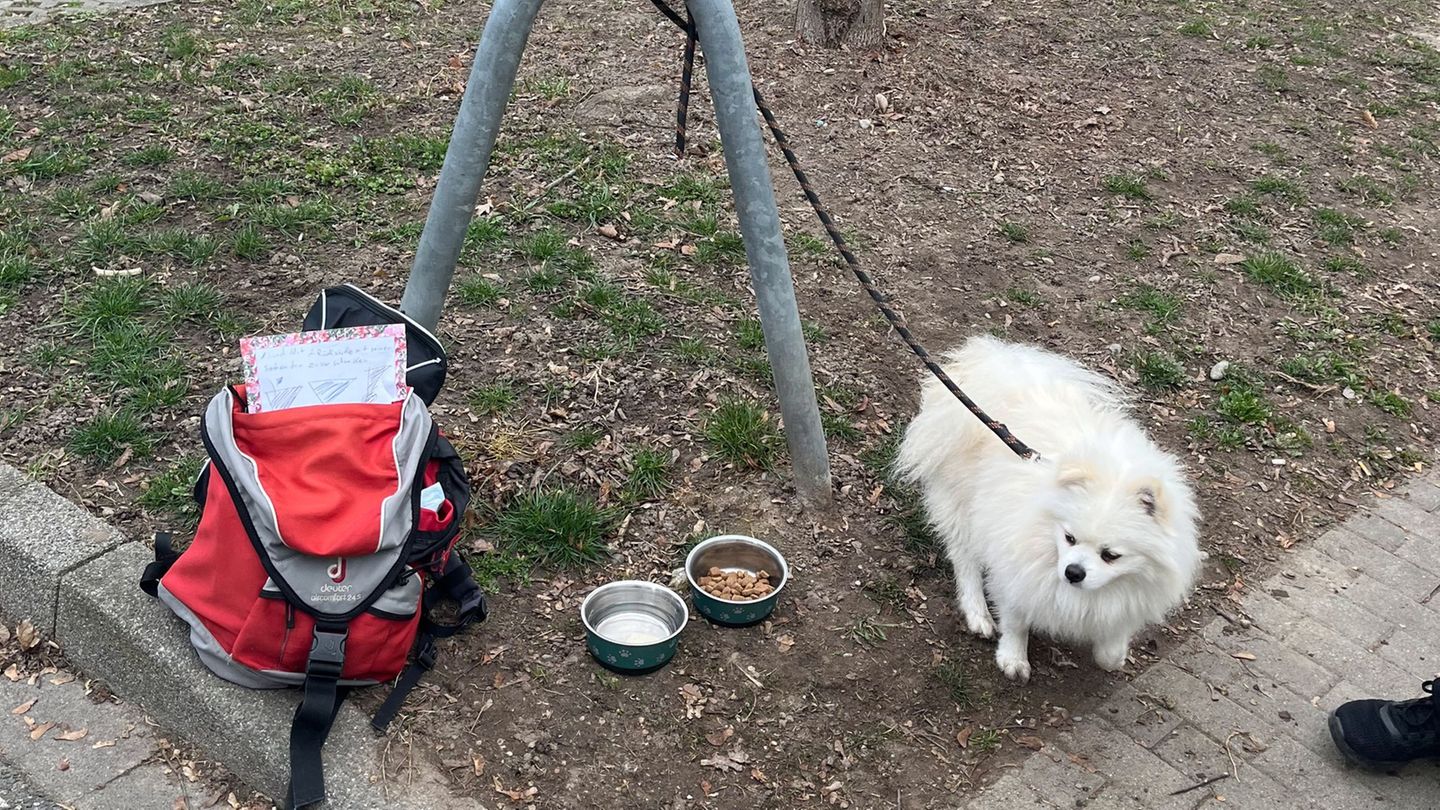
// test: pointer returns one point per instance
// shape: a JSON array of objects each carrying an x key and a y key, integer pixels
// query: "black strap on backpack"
[
  {"x": 316, "y": 714},
  {"x": 165, "y": 556},
  {"x": 456, "y": 583}
]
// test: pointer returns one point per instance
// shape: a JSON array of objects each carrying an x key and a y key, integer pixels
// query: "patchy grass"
[
  {"x": 953, "y": 676},
  {"x": 985, "y": 740},
  {"x": 584, "y": 438},
  {"x": 1243, "y": 206},
  {"x": 1198, "y": 28},
  {"x": 555, "y": 528},
  {"x": 749, "y": 335},
  {"x": 109, "y": 303},
  {"x": 839, "y": 427},
  {"x": 1158, "y": 371},
  {"x": 887, "y": 592},
  {"x": 649, "y": 474},
  {"x": 1273, "y": 78},
  {"x": 194, "y": 302},
  {"x": 1324, "y": 367},
  {"x": 1162, "y": 308},
  {"x": 1242, "y": 402},
  {"x": 742, "y": 432},
  {"x": 1346, "y": 264},
  {"x": 1129, "y": 186},
  {"x": 493, "y": 400},
  {"x": 1281, "y": 274},
  {"x": 106, "y": 437},
  {"x": 1205, "y": 431},
  {"x": 1279, "y": 187},
  {"x": 1391, "y": 402},
  {"x": 171, "y": 493},
  {"x": 1024, "y": 297},
  {"x": 1014, "y": 231},
  {"x": 479, "y": 292},
  {"x": 1337, "y": 228}
]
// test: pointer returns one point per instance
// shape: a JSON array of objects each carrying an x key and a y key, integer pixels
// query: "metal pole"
[
  {"x": 730, "y": 88},
  {"x": 492, "y": 76}
]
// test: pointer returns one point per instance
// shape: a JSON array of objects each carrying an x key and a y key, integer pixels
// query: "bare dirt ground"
[{"x": 1152, "y": 188}]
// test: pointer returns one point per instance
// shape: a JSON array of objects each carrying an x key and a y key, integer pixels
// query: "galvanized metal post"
[
  {"x": 754, "y": 190},
  {"x": 492, "y": 77}
]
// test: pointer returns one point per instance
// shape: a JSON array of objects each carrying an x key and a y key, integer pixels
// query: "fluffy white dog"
[{"x": 1090, "y": 544}]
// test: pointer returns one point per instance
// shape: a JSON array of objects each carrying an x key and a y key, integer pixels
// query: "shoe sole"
[{"x": 1337, "y": 734}]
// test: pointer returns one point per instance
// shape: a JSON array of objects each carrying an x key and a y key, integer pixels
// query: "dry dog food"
[{"x": 737, "y": 586}]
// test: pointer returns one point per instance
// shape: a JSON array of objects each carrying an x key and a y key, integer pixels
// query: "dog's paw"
[
  {"x": 980, "y": 623},
  {"x": 1111, "y": 658},
  {"x": 1015, "y": 666}
]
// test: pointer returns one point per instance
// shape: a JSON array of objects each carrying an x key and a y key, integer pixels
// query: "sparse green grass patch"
[
  {"x": 103, "y": 439},
  {"x": 742, "y": 432},
  {"x": 1158, "y": 371},
  {"x": 555, "y": 528},
  {"x": 1281, "y": 274},
  {"x": 1130, "y": 186}
]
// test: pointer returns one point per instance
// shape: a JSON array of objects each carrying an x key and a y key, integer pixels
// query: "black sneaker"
[{"x": 1388, "y": 733}]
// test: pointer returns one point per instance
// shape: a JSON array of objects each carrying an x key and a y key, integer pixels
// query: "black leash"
[{"x": 882, "y": 301}]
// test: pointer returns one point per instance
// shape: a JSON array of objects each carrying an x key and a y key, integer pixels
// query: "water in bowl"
[{"x": 633, "y": 629}]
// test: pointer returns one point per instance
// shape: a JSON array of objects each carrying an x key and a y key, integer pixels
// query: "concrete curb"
[
  {"x": 77, "y": 578},
  {"x": 43, "y": 538}
]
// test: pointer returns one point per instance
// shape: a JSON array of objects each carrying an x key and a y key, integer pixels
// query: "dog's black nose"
[{"x": 1075, "y": 572}]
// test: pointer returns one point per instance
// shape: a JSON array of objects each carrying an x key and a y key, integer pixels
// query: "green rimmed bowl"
[
  {"x": 735, "y": 552},
  {"x": 633, "y": 627}
]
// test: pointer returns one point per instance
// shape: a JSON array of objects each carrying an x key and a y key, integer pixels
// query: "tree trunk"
[{"x": 831, "y": 23}]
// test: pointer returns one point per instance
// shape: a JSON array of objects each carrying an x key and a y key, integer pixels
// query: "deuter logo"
[{"x": 336, "y": 572}]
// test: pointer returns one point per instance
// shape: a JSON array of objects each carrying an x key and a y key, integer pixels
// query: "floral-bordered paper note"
[{"x": 325, "y": 367}]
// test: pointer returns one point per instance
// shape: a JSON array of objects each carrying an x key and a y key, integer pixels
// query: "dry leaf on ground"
[
  {"x": 27, "y": 635},
  {"x": 1031, "y": 742}
]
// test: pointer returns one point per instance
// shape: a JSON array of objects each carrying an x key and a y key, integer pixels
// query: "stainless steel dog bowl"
[
  {"x": 735, "y": 552},
  {"x": 633, "y": 627}
]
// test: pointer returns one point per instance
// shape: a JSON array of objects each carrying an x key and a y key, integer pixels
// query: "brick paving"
[{"x": 1247, "y": 699}]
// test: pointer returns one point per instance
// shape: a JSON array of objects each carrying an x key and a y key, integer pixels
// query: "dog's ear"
[
  {"x": 1152, "y": 499},
  {"x": 1074, "y": 475}
]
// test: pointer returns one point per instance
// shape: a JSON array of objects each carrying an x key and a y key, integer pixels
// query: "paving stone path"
[
  {"x": 63, "y": 750},
  {"x": 1355, "y": 614},
  {"x": 15, "y": 13}
]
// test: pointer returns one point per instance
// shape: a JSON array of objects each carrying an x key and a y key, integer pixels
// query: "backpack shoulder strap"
[{"x": 457, "y": 583}]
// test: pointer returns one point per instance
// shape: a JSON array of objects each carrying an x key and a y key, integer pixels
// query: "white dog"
[{"x": 1090, "y": 544}]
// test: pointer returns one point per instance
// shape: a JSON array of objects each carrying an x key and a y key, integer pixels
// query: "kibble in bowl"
[
  {"x": 735, "y": 580},
  {"x": 737, "y": 586}
]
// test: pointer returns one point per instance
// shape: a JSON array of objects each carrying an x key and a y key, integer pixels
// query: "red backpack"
[{"x": 325, "y": 536}]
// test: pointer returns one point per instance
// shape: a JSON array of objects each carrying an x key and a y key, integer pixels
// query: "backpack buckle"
[{"x": 327, "y": 653}]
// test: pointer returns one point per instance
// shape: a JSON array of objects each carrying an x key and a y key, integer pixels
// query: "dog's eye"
[
  {"x": 1108, "y": 556},
  {"x": 1069, "y": 539}
]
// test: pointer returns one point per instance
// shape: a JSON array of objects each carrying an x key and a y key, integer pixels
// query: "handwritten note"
[{"x": 324, "y": 367}]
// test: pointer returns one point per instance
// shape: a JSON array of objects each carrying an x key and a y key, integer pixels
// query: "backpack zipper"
[{"x": 289, "y": 625}]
